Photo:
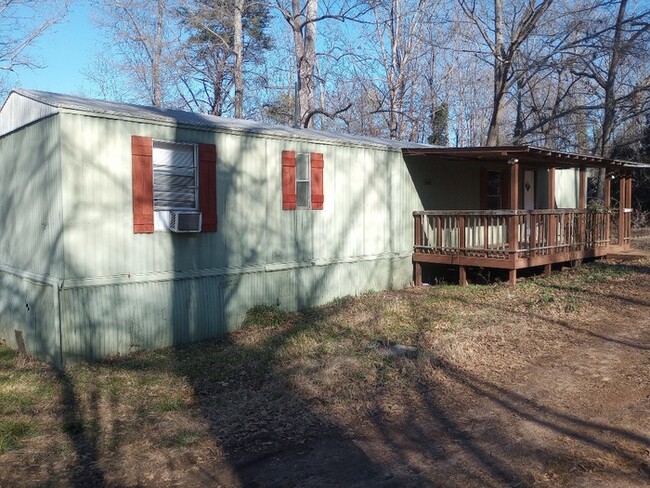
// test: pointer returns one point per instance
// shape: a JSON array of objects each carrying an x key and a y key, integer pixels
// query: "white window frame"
[
  {"x": 308, "y": 181},
  {"x": 162, "y": 216}
]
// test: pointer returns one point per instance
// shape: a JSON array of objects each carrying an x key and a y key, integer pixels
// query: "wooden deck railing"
[{"x": 510, "y": 235}]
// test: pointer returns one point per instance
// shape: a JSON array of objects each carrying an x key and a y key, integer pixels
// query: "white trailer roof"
[{"x": 23, "y": 107}]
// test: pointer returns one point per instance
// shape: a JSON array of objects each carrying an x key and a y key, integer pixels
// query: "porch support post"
[
  {"x": 513, "y": 230},
  {"x": 607, "y": 202},
  {"x": 628, "y": 204},
  {"x": 514, "y": 185},
  {"x": 622, "y": 199},
  {"x": 552, "y": 224},
  {"x": 582, "y": 188},
  {"x": 582, "y": 204},
  {"x": 551, "y": 188}
]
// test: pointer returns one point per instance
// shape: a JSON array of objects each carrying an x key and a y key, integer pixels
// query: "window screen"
[
  {"x": 303, "y": 181},
  {"x": 175, "y": 185}
]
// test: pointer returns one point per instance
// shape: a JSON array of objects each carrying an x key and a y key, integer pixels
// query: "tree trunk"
[
  {"x": 609, "y": 112},
  {"x": 307, "y": 65},
  {"x": 500, "y": 77},
  {"x": 156, "y": 59},
  {"x": 238, "y": 51}
]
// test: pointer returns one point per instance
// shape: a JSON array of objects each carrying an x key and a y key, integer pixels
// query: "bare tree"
[
  {"x": 504, "y": 39},
  {"x": 595, "y": 81},
  {"x": 238, "y": 52},
  {"x": 142, "y": 44},
  {"x": 398, "y": 36},
  {"x": 22, "y": 22},
  {"x": 223, "y": 36},
  {"x": 302, "y": 17}
]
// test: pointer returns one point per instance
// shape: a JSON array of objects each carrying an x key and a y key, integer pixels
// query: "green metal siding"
[
  {"x": 124, "y": 291},
  {"x": 31, "y": 251},
  {"x": 30, "y": 238},
  {"x": 29, "y": 307},
  {"x": 118, "y": 319},
  {"x": 444, "y": 185}
]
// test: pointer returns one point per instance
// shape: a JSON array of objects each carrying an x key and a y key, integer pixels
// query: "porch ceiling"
[{"x": 524, "y": 154}]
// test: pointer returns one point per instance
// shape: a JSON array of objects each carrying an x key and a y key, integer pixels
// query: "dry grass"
[{"x": 284, "y": 379}]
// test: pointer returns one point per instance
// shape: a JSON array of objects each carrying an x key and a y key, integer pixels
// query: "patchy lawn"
[{"x": 544, "y": 385}]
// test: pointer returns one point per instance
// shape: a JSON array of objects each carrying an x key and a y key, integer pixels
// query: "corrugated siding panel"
[
  {"x": 361, "y": 204},
  {"x": 29, "y": 307},
  {"x": 30, "y": 237},
  {"x": 119, "y": 319},
  {"x": 369, "y": 199}
]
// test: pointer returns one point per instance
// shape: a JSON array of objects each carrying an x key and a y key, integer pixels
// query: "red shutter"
[
  {"x": 289, "y": 180},
  {"x": 317, "y": 194},
  {"x": 208, "y": 186},
  {"x": 142, "y": 169}
]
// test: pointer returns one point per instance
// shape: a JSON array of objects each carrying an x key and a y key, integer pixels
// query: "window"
[
  {"x": 171, "y": 176},
  {"x": 175, "y": 179},
  {"x": 493, "y": 190},
  {"x": 302, "y": 181}
]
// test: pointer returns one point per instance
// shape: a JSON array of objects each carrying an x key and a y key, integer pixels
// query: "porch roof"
[{"x": 523, "y": 154}]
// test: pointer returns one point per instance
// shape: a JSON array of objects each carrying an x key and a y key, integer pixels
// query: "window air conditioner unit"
[{"x": 185, "y": 221}]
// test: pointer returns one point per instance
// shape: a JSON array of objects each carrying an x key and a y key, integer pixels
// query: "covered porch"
[{"x": 510, "y": 231}]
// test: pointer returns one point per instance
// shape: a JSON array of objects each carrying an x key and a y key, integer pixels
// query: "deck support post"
[
  {"x": 512, "y": 277},
  {"x": 417, "y": 271},
  {"x": 547, "y": 270},
  {"x": 462, "y": 276}
]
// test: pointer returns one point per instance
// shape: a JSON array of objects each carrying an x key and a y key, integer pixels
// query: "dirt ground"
[
  {"x": 549, "y": 388},
  {"x": 566, "y": 406}
]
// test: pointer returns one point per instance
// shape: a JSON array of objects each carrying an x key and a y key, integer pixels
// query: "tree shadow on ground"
[
  {"x": 270, "y": 434},
  {"x": 82, "y": 432}
]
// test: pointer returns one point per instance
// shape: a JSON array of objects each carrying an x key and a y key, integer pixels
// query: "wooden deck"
[{"x": 509, "y": 239}]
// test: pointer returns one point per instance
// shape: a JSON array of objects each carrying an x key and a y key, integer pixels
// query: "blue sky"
[{"x": 65, "y": 52}]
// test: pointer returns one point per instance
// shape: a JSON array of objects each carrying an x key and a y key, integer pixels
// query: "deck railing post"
[
  {"x": 513, "y": 236},
  {"x": 461, "y": 234},
  {"x": 417, "y": 266},
  {"x": 532, "y": 243},
  {"x": 418, "y": 229},
  {"x": 486, "y": 236}
]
